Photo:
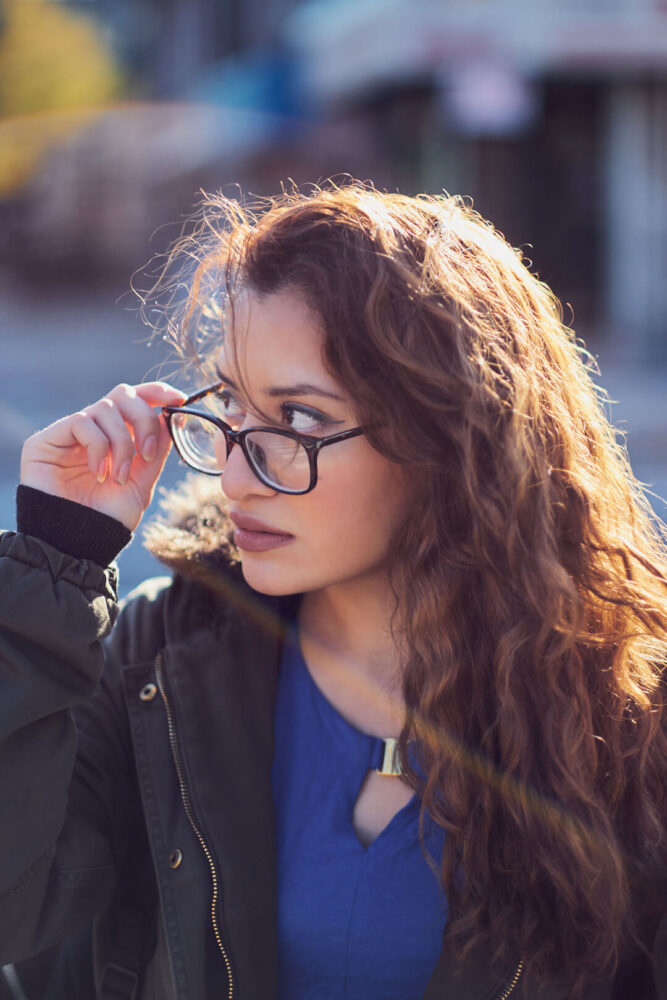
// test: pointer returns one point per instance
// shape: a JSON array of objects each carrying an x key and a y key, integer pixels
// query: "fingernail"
[
  {"x": 102, "y": 470},
  {"x": 149, "y": 448},
  {"x": 124, "y": 473}
]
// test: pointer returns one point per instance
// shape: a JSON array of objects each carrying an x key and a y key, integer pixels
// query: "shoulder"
[{"x": 167, "y": 611}]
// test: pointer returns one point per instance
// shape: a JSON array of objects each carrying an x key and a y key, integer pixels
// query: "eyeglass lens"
[{"x": 280, "y": 460}]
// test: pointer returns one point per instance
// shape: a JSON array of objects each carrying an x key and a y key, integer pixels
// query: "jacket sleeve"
[{"x": 61, "y": 783}]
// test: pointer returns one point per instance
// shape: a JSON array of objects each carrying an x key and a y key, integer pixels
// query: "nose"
[{"x": 238, "y": 480}]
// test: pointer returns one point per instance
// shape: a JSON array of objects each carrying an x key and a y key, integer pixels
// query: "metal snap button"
[
  {"x": 148, "y": 692},
  {"x": 175, "y": 858}
]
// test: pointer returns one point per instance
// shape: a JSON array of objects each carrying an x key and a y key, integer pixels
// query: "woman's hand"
[{"x": 107, "y": 456}]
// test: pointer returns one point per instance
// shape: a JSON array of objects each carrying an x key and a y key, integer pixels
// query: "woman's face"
[{"x": 339, "y": 532}]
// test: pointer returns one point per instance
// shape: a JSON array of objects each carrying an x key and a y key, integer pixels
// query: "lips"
[
  {"x": 249, "y": 523},
  {"x": 253, "y": 535}
]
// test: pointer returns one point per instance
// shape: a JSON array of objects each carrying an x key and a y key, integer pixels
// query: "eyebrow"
[{"x": 298, "y": 389}]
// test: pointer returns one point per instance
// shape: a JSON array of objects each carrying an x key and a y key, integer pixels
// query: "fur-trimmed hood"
[{"x": 193, "y": 534}]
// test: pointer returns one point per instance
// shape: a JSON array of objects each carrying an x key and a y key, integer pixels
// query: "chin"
[{"x": 270, "y": 580}]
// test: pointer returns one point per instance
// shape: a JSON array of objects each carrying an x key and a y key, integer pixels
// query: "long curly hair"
[{"x": 530, "y": 577}]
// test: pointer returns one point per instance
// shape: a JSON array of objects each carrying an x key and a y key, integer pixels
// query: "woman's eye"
[
  {"x": 227, "y": 406},
  {"x": 302, "y": 419}
]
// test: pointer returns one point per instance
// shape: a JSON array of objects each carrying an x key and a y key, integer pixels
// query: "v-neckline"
[{"x": 339, "y": 725}]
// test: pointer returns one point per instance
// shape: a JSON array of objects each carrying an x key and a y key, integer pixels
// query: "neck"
[{"x": 345, "y": 635}]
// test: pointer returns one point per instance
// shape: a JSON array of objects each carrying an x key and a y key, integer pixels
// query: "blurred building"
[
  {"x": 551, "y": 113},
  {"x": 202, "y": 91}
]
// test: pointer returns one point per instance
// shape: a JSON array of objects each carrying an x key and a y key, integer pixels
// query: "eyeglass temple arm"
[
  {"x": 200, "y": 395},
  {"x": 342, "y": 436}
]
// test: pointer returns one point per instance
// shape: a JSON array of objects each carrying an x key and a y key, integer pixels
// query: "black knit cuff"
[{"x": 70, "y": 527}]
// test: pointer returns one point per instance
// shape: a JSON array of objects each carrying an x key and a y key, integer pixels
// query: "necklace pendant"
[{"x": 390, "y": 766}]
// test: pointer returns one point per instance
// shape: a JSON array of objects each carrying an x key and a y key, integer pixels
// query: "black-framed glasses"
[{"x": 281, "y": 458}]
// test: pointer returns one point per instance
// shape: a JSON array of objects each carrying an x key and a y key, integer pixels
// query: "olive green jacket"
[{"x": 136, "y": 842}]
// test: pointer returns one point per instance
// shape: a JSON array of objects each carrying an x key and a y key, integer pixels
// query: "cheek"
[
  {"x": 355, "y": 510},
  {"x": 343, "y": 528}
]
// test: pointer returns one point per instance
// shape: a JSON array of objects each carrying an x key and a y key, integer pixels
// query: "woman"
[{"x": 396, "y": 727}]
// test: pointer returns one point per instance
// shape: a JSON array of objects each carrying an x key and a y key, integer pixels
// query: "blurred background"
[{"x": 550, "y": 114}]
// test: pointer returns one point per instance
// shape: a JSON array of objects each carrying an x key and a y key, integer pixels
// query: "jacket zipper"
[
  {"x": 13, "y": 983},
  {"x": 187, "y": 805},
  {"x": 513, "y": 983}
]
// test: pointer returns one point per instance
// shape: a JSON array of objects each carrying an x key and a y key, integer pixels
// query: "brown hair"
[{"x": 531, "y": 573}]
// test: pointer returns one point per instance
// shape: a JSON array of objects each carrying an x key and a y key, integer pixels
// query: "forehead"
[
  {"x": 273, "y": 336},
  {"x": 270, "y": 326}
]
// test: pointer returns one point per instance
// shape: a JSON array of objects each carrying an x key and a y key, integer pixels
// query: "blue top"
[{"x": 354, "y": 923}]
